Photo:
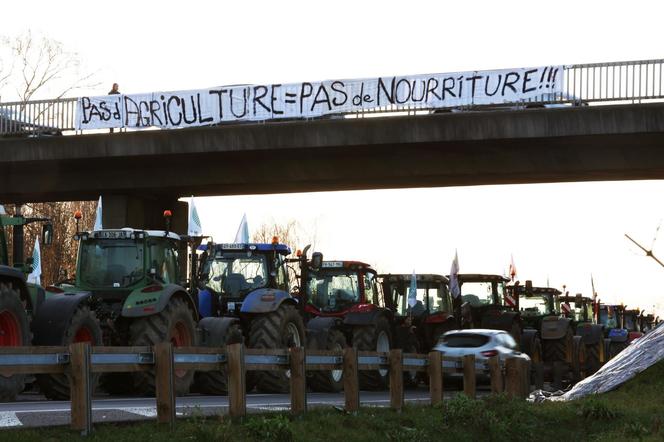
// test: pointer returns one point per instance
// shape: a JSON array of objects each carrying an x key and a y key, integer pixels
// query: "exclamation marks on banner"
[{"x": 548, "y": 78}]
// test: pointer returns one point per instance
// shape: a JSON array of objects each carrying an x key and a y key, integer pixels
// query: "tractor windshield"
[
  {"x": 333, "y": 290},
  {"x": 111, "y": 263},
  {"x": 630, "y": 324},
  {"x": 235, "y": 274},
  {"x": 478, "y": 294},
  {"x": 432, "y": 296},
  {"x": 534, "y": 305}
]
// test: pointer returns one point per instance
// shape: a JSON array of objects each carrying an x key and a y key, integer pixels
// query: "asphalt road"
[{"x": 32, "y": 410}]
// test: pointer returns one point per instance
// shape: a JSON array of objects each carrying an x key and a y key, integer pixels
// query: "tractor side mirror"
[
  {"x": 47, "y": 234},
  {"x": 316, "y": 260},
  {"x": 529, "y": 286}
]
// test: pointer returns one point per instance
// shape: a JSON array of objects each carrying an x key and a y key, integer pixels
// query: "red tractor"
[
  {"x": 430, "y": 314},
  {"x": 341, "y": 306}
]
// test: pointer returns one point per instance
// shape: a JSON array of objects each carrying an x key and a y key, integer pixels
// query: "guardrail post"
[
  {"x": 298, "y": 384},
  {"x": 237, "y": 390},
  {"x": 351, "y": 380},
  {"x": 435, "y": 377},
  {"x": 395, "y": 359},
  {"x": 517, "y": 374},
  {"x": 496, "y": 375},
  {"x": 81, "y": 396},
  {"x": 469, "y": 376},
  {"x": 164, "y": 383}
]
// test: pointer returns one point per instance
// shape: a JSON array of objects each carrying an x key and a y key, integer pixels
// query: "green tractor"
[
  {"x": 129, "y": 290},
  {"x": 19, "y": 299},
  {"x": 539, "y": 309},
  {"x": 582, "y": 311}
]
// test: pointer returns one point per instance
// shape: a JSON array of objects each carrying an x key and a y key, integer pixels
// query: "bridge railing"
[{"x": 583, "y": 84}]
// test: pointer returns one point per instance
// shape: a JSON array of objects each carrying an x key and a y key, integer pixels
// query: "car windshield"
[
  {"x": 333, "y": 290},
  {"x": 477, "y": 293},
  {"x": 111, "y": 263},
  {"x": 465, "y": 340},
  {"x": 534, "y": 305},
  {"x": 234, "y": 274}
]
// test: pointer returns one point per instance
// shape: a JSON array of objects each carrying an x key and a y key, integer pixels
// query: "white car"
[{"x": 483, "y": 343}]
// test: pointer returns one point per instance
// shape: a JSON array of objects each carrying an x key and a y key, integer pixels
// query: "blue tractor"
[{"x": 244, "y": 296}]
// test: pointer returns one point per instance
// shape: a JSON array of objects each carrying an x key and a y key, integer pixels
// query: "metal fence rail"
[{"x": 597, "y": 83}]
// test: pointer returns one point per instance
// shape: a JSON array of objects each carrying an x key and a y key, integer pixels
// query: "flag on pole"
[
  {"x": 98, "y": 225},
  {"x": 412, "y": 291},
  {"x": 242, "y": 235},
  {"x": 2, "y": 210},
  {"x": 512, "y": 268},
  {"x": 592, "y": 284},
  {"x": 455, "y": 289},
  {"x": 194, "y": 227},
  {"x": 35, "y": 276}
]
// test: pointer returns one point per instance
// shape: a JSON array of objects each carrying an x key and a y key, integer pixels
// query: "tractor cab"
[
  {"x": 231, "y": 272},
  {"x": 482, "y": 299},
  {"x": 431, "y": 310},
  {"x": 581, "y": 309},
  {"x": 339, "y": 287},
  {"x": 536, "y": 304}
]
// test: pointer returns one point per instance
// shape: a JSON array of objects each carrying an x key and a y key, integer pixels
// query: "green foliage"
[
  {"x": 276, "y": 428},
  {"x": 597, "y": 409}
]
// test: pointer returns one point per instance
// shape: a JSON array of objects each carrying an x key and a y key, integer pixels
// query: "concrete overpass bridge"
[{"x": 141, "y": 173}]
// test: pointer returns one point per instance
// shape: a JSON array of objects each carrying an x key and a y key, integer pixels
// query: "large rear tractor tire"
[
  {"x": 579, "y": 359},
  {"x": 556, "y": 349},
  {"x": 615, "y": 348},
  {"x": 593, "y": 357},
  {"x": 14, "y": 332},
  {"x": 83, "y": 327},
  {"x": 216, "y": 382},
  {"x": 175, "y": 324},
  {"x": 330, "y": 380},
  {"x": 373, "y": 338},
  {"x": 282, "y": 328}
]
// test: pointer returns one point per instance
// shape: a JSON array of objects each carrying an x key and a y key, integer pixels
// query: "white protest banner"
[{"x": 306, "y": 100}]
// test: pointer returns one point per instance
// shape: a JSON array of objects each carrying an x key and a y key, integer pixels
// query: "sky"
[{"x": 563, "y": 233}]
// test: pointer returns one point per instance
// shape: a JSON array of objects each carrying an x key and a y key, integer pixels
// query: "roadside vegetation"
[{"x": 633, "y": 412}]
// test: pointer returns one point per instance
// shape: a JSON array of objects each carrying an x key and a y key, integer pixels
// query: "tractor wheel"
[
  {"x": 14, "y": 332},
  {"x": 593, "y": 358},
  {"x": 216, "y": 382},
  {"x": 116, "y": 383},
  {"x": 282, "y": 328},
  {"x": 83, "y": 327},
  {"x": 515, "y": 331},
  {"x": 615, "y": 348},
  {"x": 579, "y": 359},
  {"x": 330, "y": 380},
  {"x": 556, "y": 349},
  {"x": 373, "y": 338},
  {"x": 174, "y": 324},
  {"x": 410, "y": 377}
]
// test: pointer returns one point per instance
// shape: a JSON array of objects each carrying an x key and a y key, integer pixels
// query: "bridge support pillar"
[{"x": 143, "y": 212}]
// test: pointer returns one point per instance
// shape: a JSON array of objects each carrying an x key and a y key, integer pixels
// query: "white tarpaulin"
[
  {"x": 641, "y": 354},
  {"x": 305, "y": 100}
]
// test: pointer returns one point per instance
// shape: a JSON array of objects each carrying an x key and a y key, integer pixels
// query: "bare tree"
[
  {"x": 59, "y": 259},
  {"x": 42, "y": 64}
]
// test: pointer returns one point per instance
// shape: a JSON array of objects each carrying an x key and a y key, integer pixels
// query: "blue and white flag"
[
  {"x": 412, "y": 291},
  {"x": 194, "y": 224},
  {"x": 35, "y": 276},
  {"x": 98, "y": 225},
  {"x": 242, "y": 235},
  {"x": 455, "y": 289}
]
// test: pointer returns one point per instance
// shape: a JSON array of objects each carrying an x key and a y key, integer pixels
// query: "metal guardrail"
[
  {"x": 596, "y": 83},
  {"x": 79, "y": 361}
]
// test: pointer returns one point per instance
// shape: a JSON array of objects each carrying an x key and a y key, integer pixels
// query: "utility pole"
[{"x": 648, "y": 252}]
